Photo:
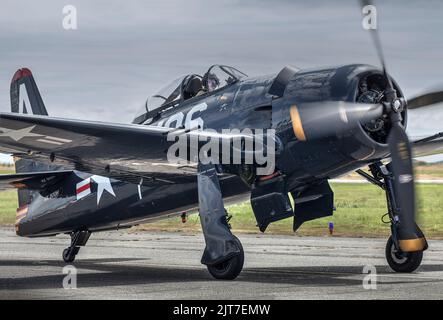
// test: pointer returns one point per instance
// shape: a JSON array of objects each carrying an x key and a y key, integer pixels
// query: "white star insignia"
[
  {"x": 103, "y": 183},
  {"x": 19, "y": 134}
]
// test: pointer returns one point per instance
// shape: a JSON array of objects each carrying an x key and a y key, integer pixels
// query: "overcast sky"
[{"x": 124, "y": 51}]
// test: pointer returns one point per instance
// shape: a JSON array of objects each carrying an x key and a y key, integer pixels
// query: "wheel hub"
[{"x": 397, "y": 256}]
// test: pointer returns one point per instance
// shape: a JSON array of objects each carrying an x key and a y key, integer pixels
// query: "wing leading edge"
[{"x": 428, "y": 146}]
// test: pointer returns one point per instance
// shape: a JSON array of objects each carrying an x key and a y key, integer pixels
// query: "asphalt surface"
[{"x": 122, "y": 265}]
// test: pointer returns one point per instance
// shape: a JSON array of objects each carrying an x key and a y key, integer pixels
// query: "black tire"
[
  {"x": 404, "y": 262},
  {"x": 68, "y": 255},
  {"x": 230, "y": 269}
]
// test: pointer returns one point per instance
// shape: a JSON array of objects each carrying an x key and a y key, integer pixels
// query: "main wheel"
[
  {"x": 230, "y": 269},
  {"x": 399, "y": 261}
]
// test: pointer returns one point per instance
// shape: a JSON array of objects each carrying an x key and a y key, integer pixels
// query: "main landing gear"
[
  {"x": 78, "y": 239},
  {"x": 402, "y": 255},
  {"x": 223, "y": 254}
]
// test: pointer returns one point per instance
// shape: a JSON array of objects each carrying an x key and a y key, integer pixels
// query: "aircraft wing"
[
  {"x": 128, "y": 152},
  {"x": 428, "y": 146}
]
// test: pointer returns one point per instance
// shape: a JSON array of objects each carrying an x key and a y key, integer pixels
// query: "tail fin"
[{"x": 25, "y": 97}]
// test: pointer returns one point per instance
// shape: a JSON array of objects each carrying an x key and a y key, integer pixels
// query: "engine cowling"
[{"x": 346, "y": 149}]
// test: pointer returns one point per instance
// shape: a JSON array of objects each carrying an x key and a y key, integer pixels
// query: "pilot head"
[{"x": 212, "y": 82}]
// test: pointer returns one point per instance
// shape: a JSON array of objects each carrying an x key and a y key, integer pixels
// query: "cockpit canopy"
[{"x": 187, "y": 87}]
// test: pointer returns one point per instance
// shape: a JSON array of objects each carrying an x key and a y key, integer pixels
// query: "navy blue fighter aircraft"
[{"x": 79, "y": 177}]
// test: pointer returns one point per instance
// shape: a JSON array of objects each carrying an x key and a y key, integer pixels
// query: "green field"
[
  {"x": 4, "y": 169},
  {"x": 359, "y": 211}
]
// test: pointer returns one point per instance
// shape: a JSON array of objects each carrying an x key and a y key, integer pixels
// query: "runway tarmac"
[{"x": 122, "y": 265}]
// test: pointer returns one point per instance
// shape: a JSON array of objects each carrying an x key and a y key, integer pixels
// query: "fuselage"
[{"x": 244, "y": 104}]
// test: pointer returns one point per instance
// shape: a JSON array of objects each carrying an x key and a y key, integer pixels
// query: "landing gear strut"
[
  {"x": 223, "y": 254},
  {"x": 399, "y": 260},
  {"x": 78, "y": 239}
]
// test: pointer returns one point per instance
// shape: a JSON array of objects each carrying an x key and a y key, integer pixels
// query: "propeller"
[
  {"x": 327, "y": 118},
  {"x": 401, "y": 160}
]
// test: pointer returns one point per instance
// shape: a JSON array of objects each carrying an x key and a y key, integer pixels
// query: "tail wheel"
[
  {"x": 69, "y": 254},
  {"x": 230, "y": 269},
  {"x": 404, "y": 262}
]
